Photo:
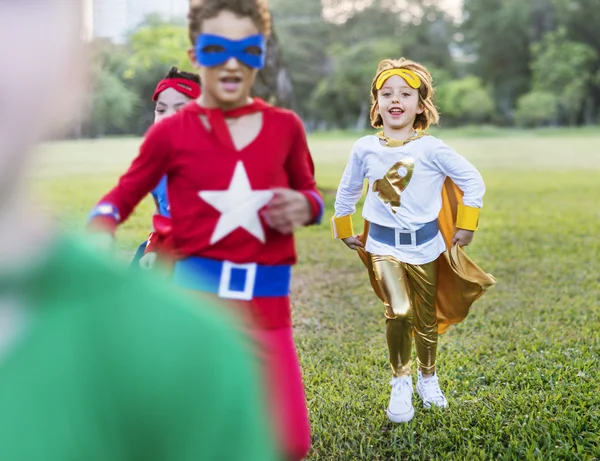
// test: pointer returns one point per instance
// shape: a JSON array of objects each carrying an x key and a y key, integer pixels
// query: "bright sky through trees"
[{"x": 339, "y": 11}]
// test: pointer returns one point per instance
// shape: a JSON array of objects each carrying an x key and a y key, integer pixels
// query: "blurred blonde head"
[
  {"x": 429, "y": 115},
  {"x": 41, "y": 73}
]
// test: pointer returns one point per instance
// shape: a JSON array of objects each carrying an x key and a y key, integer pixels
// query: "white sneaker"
[
  {"x": 400, "y": 409},
  {"x": 430, "y": 392}
]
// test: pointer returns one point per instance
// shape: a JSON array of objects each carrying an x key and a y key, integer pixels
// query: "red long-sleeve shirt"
[{"x": 194, "y": 161}]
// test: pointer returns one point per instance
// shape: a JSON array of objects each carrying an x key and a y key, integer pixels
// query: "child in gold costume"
[{"x": 422, "y": 207}]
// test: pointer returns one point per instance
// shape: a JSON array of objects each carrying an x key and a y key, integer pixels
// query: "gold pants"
[{"x": 409, "y": 292}]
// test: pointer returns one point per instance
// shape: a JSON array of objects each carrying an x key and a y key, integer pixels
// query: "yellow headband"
[{"x": 411, "y": 78}]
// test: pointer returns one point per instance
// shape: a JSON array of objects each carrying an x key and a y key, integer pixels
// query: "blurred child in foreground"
[{"x": 94, "y": 365}]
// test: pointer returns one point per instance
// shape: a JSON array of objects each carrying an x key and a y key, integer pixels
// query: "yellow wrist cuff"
[
  {"x": 341, "y": 227},
  {"x": 467, "y": 217}
]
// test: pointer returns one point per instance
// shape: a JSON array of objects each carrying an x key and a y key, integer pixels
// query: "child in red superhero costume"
[
  {"x": 172, "y": 94},
  {"x": 240, "y": 181}
]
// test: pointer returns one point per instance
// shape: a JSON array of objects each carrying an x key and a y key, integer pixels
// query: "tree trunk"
[
  {"x": 273, "y": 82},
  {"x": 361, "y": 123},
  {"x": 588, "y": 111}
]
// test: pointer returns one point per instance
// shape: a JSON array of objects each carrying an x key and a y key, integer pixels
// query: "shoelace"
[
  {"x": 399, "y": 386},
  {"x": 431, "y": 386}
]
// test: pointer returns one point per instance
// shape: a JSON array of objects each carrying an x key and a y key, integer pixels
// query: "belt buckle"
[
  {"x": 413, "y": 238},
  {"x": 225, "y": 280}
]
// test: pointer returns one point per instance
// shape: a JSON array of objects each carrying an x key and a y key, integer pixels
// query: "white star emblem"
[{"x": 239, "y": 206}]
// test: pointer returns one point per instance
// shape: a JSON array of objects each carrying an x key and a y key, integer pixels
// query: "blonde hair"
[{"x": 430, "y": 115}]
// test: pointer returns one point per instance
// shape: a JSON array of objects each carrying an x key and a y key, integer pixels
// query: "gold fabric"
[
  {"x": 394, "y": 182},
  {"x": 468, "y": 217},
  {"x": 451, "y": 198},
  {"x": 460, "y": 281},
  {"x": 408, "y": 75},
  {"x": 391, "y": 142},
  {"x": 409, "y": 293},
  {"x": 341, "y": 227}
]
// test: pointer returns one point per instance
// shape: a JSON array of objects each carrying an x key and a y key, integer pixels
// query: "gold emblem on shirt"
[{"x": 394, "y": 182}]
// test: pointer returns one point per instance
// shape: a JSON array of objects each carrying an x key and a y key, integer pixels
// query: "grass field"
[{"x": 521, "y": 373}]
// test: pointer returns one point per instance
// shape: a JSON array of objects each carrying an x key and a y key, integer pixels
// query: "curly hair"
[
  {"x": 257, "y": 10},
  {"x": 176, "y": 73},
  {"x": 430, "y": 115}
]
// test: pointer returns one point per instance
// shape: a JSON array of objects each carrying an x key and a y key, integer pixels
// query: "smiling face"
[
  {"x": 227, "y": 85},
  {"x": 169, "y": 102},
  {"x": 398, "y": 103}
]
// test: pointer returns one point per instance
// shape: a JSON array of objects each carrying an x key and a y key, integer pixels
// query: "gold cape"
[{"x": 460, "y": 281}]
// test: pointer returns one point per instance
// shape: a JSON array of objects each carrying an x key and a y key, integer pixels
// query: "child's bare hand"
[
  {"x": 463, "y": 237},
  {"x": 353, "y": 243},
  {"x": 287, "y": 210}
]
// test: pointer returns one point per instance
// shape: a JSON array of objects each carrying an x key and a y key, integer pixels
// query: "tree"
[
  {"x": 565, "y": 69},
  {"x": 496, "y": 32},
  {"x": 500, "y": 34},
  {"x": 581, "y": 19},
  {"x": 428, "y": 35},
  {"x": 157, "y": 43},
  {"x": 304, "y": 38},
  {"x": 536, "y": 108},
  {"x": 465, "y": 101},
  {"x": 273, "y": 82},
  {"x": 361, "y": 38},
  {"x": 153, "y": 48},
  {"x": 111, "y": 106},
  {"x": 342, "y": 99}
]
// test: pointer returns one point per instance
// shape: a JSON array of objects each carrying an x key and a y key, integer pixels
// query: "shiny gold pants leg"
[
  {"x": 422, "y": 281},
  {"x": 409, "y": 293},
  {"x": 392, "y": 278}
]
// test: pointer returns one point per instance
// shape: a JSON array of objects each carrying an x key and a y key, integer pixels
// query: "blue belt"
[
  {"x": 399, "y": 238},
  {"x": 232, "y": 281}
]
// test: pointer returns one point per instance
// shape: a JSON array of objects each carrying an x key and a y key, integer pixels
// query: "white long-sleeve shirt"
[{"x": 412, "y": 175}]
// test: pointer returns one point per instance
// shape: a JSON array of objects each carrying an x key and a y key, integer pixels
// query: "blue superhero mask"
[{"x": 213, "y": 50}]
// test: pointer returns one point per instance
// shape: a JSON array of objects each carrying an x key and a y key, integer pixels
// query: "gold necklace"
[{"x": 391, "y": 142}]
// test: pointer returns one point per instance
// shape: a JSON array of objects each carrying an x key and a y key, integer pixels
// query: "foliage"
[
  {"x": 563, "y": 68},
  {"x": 497, "y": 32},
  {"x": 324, "y": 53},
  {"x": 345, "y": 92},
  {"x": 536, "y": 108},
  {"x": 304, "y": 39},
  {"x": 158, "y": 44},
  {"x": 153, "y": 49},
  {"x": 112, "y": 104},
  {"x": 465, "y": 101},
  {"x": 510, "y": 39}
]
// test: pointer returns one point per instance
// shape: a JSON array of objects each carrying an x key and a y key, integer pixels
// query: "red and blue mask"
[{"x": 214, "y": 50}]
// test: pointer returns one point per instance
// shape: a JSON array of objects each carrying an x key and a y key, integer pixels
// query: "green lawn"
[{"x": 521, "y": 373}]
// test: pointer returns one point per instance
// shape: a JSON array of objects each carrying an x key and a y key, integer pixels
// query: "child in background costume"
[
  {"x": 407, "y": 214},
  {"x": 96, "y": 364},
  {"x": 171, "y": 94},
  {"x": 240, "y": 180}
]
